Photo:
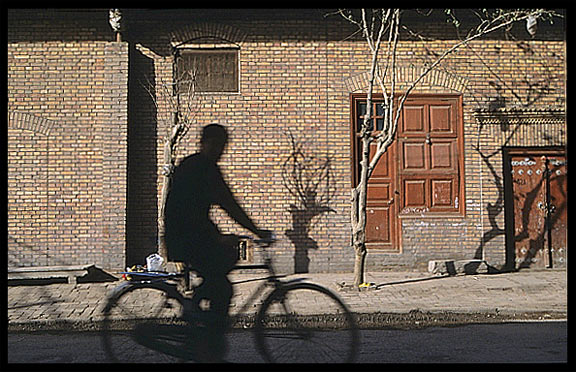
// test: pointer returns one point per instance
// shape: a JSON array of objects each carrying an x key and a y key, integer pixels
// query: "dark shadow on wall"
[
  {"x": 142, "y": 210},
  {"x": 524, "y": 94},
  {"x": 308, "y": 179},
  {"x": 504, "y": 203}
]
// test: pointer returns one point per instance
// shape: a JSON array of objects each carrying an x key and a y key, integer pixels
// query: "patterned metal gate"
[{"x": 539, "y": 186}]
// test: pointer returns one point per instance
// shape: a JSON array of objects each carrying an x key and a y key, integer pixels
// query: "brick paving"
[{"x": 32, "y": 307}]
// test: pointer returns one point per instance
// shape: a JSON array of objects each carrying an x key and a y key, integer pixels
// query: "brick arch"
[
  {"x": 29, "y": 240},
  {"x": 406, "y": 74},
  {"x": 196, "y": 31},
  {"x": 34, "y": 123}
]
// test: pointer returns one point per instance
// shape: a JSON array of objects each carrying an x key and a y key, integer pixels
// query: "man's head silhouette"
[{"x": 213, "y": 141}]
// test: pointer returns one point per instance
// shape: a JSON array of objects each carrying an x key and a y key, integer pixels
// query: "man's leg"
[{"x": 218, "y": 290}]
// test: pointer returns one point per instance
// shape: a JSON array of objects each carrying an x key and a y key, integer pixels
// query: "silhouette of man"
[{"x": 193, "y": 238}]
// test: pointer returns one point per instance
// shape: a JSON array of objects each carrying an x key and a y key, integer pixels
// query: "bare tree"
[
  {"x": 183, "y": 106},
  {"x": 381, "y": 29}
]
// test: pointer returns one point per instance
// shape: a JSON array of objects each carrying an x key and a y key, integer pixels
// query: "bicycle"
[{"x": 149, "y": 312}]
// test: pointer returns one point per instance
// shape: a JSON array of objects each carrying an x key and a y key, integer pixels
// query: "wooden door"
[
  {"x": 539, "y": 204},
  {"x": 381, "y": 218},
  {"x": 420, "y": 172},
  {"x": 558, "y": 210},
  {"x": 381, "y": 211},
  {"x": 429, "y": 162}
]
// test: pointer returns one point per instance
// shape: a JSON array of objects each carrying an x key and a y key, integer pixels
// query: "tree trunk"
[
  {"x": 359, "y": 260},
  {"x": 359, "y": 228},
  {"x": 167, "y": 173},
  {"x": 162, "y": 250}
]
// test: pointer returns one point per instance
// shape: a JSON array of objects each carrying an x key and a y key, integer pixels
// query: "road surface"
[{"x": 520, "y": 342}]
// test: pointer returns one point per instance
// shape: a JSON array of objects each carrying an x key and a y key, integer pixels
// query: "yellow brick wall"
[
  {"x": 67, "y": 128},
  {"x": 103, "y": 179}
]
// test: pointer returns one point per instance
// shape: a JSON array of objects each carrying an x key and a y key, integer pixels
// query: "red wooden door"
[
  {"x": 419, "y": 173},
  {"x": 540, "y": 216},
  {"x": 381, "y": 215},
  {"x": 429, "y": 164},
  {"x": 381, "y": 211},
  {"x": 381, "y": 219}
]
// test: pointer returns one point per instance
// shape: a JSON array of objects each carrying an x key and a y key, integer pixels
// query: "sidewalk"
[{"x": 400, "y": 296}]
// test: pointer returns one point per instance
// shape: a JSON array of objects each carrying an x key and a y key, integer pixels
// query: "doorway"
[
  {"x": 421, "y": 172},
  {"x": 536, "y": 207},
  {"x": 382, "y": 225}
]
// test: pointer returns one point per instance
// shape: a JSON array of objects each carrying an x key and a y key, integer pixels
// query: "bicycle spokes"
[{"x": 288, "y": 330}]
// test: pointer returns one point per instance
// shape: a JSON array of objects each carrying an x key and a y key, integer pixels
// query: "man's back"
[{"x": 195, "y": 187}]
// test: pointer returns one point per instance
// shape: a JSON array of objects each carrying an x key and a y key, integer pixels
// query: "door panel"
[
  {"x": 414, "y": 156},
  {"x": 380, "y": 209},
  {"x": 414, "y": 119},
  {"x": 428, "y": 167},
  {"x": 382, "y": 169},
  {"x": 442, "y": 192},
  {"x": 558, "y": 209},
  {"x": 442, "y": 155},
  {"x": 378, "y": 192},
  {"x": 415, "y": 193},
  {"x": 378, "y": 226},
  {"x": 540, "y": 216},
  {"x": 442, "y": 120}
]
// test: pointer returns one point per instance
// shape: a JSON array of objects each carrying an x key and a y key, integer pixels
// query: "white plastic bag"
[{"x": 154, "y": 262}]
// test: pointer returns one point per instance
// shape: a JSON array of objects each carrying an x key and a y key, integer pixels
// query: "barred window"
[{"x": 211, "y": 69}]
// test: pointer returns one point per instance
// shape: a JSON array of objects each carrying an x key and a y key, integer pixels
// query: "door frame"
[
  {"x": 508, "y": 152},
  {"x": 394, "y": 224},
  {"x": 394, "y": 163}
]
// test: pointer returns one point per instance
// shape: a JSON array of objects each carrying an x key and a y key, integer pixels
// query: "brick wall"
[
  {"x": 67, "y": 133},
  {"x": 296, "y": 75},
  {"x": 297, "y": 71}
]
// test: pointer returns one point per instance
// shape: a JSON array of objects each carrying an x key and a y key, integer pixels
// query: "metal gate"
[{"x": 539, "y": 202}]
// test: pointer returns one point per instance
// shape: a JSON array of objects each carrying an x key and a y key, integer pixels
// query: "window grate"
[{"x": 212, "y": 70}]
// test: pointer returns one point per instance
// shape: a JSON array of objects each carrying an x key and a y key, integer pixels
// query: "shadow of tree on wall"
[
  {"x": 308, "y": 179},
  {"x": 493, "y": 209},
  {"x": 525, "y": 92},
  {"x": 502, "y": 204}
]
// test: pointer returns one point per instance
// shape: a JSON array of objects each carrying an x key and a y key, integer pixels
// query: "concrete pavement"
[{"x": 396, "y": 298}]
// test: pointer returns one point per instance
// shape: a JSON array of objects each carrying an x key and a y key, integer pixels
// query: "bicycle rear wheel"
[
  {"x": 143, "y": 323},
  {"x": 288, "y": 330}
]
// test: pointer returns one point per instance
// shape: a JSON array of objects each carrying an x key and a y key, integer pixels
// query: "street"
[{"x": 518, "y": 342}]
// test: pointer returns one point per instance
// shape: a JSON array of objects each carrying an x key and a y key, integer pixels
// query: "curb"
[
  {"x": 413, "y": 319},
  {"x": 422, "y": 319}
]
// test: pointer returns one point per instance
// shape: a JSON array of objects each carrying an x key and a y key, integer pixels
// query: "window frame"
[{"x": 190, "y": 48}]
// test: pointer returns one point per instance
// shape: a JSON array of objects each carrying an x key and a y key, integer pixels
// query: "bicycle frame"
[
  {"x": 162, "y": 280},
  {"x": 273, "y": 291},
  {"x": 271, "y": 280}
]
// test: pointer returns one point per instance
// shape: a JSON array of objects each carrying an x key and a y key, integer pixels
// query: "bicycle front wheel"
[
  {"x": 141, "y": 323},
  {"x": 288, "y": 329}
]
